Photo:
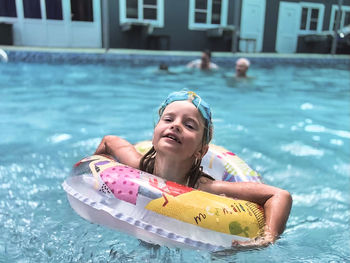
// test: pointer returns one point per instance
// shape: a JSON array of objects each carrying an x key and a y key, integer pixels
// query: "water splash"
[{"x": 3, "y": 56}]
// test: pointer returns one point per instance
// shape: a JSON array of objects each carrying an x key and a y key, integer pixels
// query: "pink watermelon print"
[
  {"x": 120, "y": 180},
  {"x": 170, "y": 188}
]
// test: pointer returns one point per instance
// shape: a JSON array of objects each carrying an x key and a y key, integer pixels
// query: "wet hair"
[
  {"x": 163, "y": 66},
  {"x": 207, "y": 52},
  {"x": 148, "y": 160}
]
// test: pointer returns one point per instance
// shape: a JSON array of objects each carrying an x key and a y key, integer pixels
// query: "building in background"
[
  {"x": 53, "y": 23},
  {"x": 191, "y": 25}
]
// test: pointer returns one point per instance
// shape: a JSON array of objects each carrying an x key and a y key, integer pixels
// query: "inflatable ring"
[{"x": 108, "y": 193}]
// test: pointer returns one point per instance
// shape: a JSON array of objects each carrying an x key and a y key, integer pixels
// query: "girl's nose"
[{"x": 176, "y": 126}]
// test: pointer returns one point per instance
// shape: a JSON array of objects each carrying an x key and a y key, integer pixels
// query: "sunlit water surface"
[{"x": 290, "y": 123}]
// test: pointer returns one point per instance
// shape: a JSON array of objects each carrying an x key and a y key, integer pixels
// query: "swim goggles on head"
[{"x": 197, "y": 101}]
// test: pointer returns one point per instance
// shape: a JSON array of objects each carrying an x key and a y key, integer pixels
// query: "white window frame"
[
  {"x": 203, "y": 26},
  {"x": 320, "y": 18},
  {"x": 156, "y": 23},
  {"x": 335, "y": 8}
]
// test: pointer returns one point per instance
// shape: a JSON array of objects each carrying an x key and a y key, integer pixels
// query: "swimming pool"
[{"x": 290, "y": 122}]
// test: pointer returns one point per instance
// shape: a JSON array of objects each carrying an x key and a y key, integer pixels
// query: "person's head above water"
[
  {"x": 242, "y": 66},
  {"x": 163, "y": 66},
  {"x": 205, "y": 59},
  {"x": 199, "y": 103}
]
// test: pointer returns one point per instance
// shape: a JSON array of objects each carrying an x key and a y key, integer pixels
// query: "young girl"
[{"x": 180, "y": 140}]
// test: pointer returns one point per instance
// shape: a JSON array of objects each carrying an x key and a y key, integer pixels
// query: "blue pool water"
[{"x": 291, "y": 123}]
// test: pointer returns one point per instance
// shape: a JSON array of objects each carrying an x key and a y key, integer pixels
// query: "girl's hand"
[
  {"x": 119, "y": 149},
  {"x": 263, "y": 241}
]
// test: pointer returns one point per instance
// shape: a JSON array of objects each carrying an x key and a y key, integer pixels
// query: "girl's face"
[{"x": 179, "y": 131}]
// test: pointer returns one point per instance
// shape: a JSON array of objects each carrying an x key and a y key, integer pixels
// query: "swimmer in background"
[
  {"x": 164, "y": 69},
  {"x": 204, "y": 62},
  {"x": 180, "y": 140},
  {"x": 242, "y": 66},
  {"x": 240, "y": 78}
]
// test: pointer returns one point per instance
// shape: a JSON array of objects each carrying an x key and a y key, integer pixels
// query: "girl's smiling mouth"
[{"x": 173, "y": 137}]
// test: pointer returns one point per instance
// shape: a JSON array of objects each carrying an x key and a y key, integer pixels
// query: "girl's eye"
[
  {"x": 189, "y": 125},
  {"x": 167, "y": 119}
]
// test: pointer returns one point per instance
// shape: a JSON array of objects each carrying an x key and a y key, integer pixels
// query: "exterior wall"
[
  {"x": 46, "y": 32},
  {"x": 176, "y": 28},
  {"x": 328, "y": 9},
  {"x": 323, "y": 44},
  {"x": 328, "y": 6},
  {"x": 271, "y": 20},
  {"x": 174, "y": 34},
  {"x": 176, "y": 17}
]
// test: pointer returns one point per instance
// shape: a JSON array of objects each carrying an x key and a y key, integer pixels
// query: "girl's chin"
[
  {"x": 168, "y": 143},
  {"x": 168, "y": 149}
]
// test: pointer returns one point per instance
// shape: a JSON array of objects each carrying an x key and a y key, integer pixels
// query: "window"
[
  {"x": 132, "y": 9},
  {"x": 142, "y": 11},
  {"x": 309, "y": 22},
  {"x": 311, "y": 17},
  {"x": 200, "y": 11},
  {"x": 216, "y": 12},
  {"x": 150, "y": 9},
  {"x": 344, "y": 17},
  {"x": 8, "y": 8},
  {"x": 53, "y": 9},
  {"x": 81, "y": 10},
  {"x": 205, "y": 14},
  {"x": 32, "y": 9}
]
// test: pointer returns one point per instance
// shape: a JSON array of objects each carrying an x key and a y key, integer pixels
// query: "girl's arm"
[
  {"x": 120, "y": 149},
  {"x": 276, "y": 202}
]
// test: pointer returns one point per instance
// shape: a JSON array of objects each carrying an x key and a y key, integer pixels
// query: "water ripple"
[
  {"x": 298, "y": 149},
  {"x": 289, "y": 123},
  {"x": 322, "y": 129}
]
